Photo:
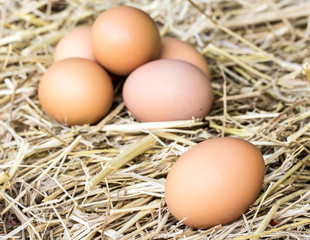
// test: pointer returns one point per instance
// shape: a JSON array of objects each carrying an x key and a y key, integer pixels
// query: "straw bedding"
[{"x": 106, "y": 181}]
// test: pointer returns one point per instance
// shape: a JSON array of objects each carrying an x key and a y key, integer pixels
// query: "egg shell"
[
  {"x": 76, "y": 43},
  {"x": 174, "y": 48},
  {"x": 167, "y": 90},
  {"x": 123, "y": 38},
  {"x": 214, "y": 182},
  {"x": 75, "y": 91}
]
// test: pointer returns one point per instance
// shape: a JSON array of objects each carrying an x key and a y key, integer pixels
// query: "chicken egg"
[
  {"x": 167, "y": 90},
  {"x": 123, "y": 38},
  {"x": 174, "y": 48},
  {"x": 76, "y": 43},
  {"x": 214, "y": 182},
  {"x": 75, "y": 91}
]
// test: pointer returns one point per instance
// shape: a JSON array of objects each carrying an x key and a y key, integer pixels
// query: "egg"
[
  {"x": 174, "y": 48},
  {"x": 167, "y": 90},
  {"x": 214, "y": 182},
  {"x": 75, "y": 91},
  {"x": 76, "y": 43},
  {"x": 123, "y": 38}
]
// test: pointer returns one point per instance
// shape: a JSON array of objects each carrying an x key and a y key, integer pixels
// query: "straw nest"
[{"x": 107, "y": 181}]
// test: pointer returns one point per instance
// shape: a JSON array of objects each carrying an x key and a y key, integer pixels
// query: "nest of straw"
[{"x": 107, "y": 181}]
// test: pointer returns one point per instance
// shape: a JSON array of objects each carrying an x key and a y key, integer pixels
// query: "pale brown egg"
[
  {"x": 76, "y": 43},
  {"x": 75, "y": 91},
  {"x": 123, "y": 38},
  {"x": 214, "y": 182},
  {"x": 174, "y": 48},
  {"x": 167, "y": 90}
]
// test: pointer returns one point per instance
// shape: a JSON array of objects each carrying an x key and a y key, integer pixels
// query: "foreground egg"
[
  {"x": 167, "y": 90},
  {"x": 75, "y": 44},
  {"x": 174, "y": 48},
  {"x": 75, "y": 91},
  {"x": 123, "y": 38},
  {"x": 214, "y": 182}
]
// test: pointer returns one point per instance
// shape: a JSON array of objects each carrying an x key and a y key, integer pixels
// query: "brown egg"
[
  {"x": 214, "y": 182},
  {"x": 174, "y": 48},
  {"x": 75, "y": 91},
  {"x": 167, "y": 90},
  {"x": 123, "y": 38},
  {"x": 76, "y": 43}
]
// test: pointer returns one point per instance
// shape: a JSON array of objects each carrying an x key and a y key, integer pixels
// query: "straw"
[{"x": 107, "y": 181}]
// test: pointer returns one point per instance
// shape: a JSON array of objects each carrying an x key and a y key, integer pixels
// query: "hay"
[{"x": 256, "y": 50}]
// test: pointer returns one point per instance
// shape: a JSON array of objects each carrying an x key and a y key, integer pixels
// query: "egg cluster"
[
  {"x": 215, "y": 181},
  {"x": 166, "y": 79}
]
